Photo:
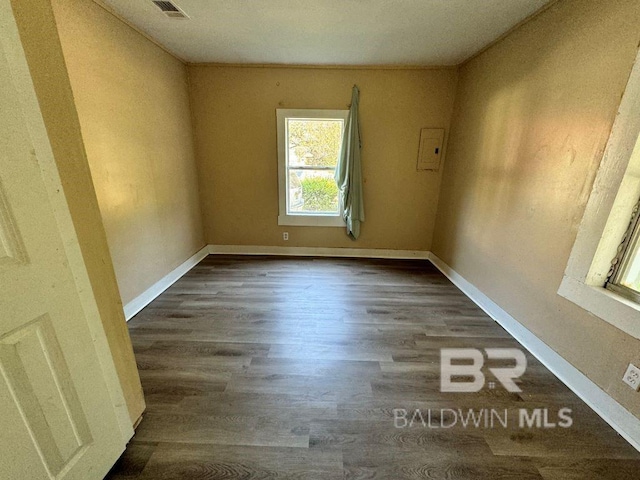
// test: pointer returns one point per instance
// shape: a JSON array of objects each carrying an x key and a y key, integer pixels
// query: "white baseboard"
[
  {"x": 625, "y": 423},
  {"x": 318, "y": 252},
  {"x": 150, "y": 294}
]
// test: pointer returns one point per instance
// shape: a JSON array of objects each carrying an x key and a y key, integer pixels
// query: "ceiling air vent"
[{"x": 170, "y": 10}]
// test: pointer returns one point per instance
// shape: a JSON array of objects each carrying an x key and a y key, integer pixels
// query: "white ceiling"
[{"x": 341, "y": 32}]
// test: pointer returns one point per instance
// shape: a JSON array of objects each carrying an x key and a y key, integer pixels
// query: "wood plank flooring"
[{"x": 291, "y": 368}]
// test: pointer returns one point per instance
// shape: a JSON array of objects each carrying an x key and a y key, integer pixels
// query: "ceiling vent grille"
[{"x": 170, "y": 9}]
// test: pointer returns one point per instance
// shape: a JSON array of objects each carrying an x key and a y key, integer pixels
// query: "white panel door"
[{"x": 63, "y": 415}]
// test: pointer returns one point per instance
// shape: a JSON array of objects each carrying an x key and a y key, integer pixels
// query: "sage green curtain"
[{"x": 349, "y": 173}]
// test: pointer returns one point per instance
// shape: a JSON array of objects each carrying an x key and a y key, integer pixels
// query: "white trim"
[
  {"x": 151, "y": 293},
  {"x": 317, "y": 252},
  {"x": 311, "y": 220},
  {"x": 605, "y": 304},
  {"x": 625, "y": 423}
]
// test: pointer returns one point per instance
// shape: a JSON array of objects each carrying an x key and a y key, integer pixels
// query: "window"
[
  {"x": 309, "y": 143},
  {"x": 624, "y": 276}
]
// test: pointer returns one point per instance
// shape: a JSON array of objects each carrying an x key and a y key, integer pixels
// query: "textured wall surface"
[
  {"x": 532, "y": 117},
  {"x": 133, "y": 103},
  {"x": 234, "y": 111}
]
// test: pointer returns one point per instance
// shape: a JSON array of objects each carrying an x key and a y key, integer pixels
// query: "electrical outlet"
[
  {"x": 285, "y": 235},
  {"x": 632, "y": 377}
]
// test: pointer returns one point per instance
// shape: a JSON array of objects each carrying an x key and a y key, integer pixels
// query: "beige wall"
[
  {"x": 51, "y": 81},
  {"x": 532, "y": 117},
  {"x": 234, "y": 112},
  {"x": 133, "y": 104}
]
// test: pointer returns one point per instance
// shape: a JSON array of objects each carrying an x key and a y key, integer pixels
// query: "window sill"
[
  {"x": 605, "y": 304},
  {"x": 311, "y": 220}
]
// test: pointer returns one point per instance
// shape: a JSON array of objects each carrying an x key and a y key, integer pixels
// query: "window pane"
[
  {"x": 313, "y": 191},
  {"x": 631, "y": 276},
  {"x": 313, "y": 146},
  {"x": 313, "y": 143}
]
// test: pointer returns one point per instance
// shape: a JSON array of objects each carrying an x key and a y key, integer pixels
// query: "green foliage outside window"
[{"x": 319, "y": 194}]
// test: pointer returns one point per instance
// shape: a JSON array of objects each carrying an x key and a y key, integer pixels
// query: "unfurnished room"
[{"x": 294, "y": 239}]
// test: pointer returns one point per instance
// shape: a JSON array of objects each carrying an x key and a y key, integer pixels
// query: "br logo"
[{"x": 472, "y": 368}]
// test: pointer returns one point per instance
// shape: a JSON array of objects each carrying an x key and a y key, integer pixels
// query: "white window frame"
[
  {"x": 606, "y": 218},
  {"x": 303, "y": 219},
  {"x": 626, "y": 254}
]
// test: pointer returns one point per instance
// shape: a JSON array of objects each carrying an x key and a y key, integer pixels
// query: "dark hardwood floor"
[{"x": 283, "y": 368}]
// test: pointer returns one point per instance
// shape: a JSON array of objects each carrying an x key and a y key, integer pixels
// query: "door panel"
[
  {"x": 11, "y": 246},
  {"x": 41, "y": 386},
  {"x": 64, "y": 416}
]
